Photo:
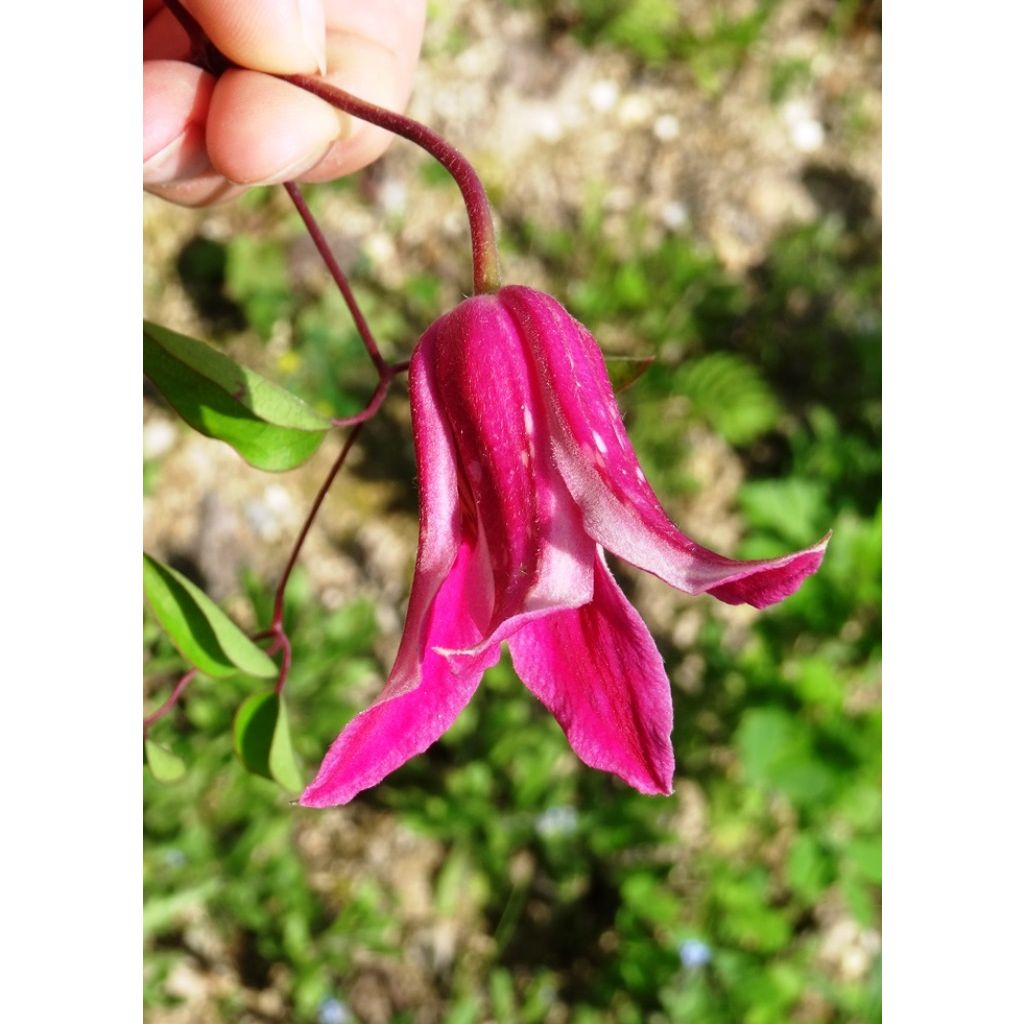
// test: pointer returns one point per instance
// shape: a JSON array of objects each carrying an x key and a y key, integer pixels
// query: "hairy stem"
[
  {"x": 486, "y": 275},
  {"x": 338, "y": 274}
]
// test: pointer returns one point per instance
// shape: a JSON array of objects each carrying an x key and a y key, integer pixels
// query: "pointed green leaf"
[
  {"x": 255, "y": 721},
  {"x": 282, "y": 757},
  {"x": 263, "y": 741},
  {"x": 206, "y": 637},
  {"x": 165, "y": 766},
  {"x": 268, "y": 426},
  {"x": 625, "y": 371}
]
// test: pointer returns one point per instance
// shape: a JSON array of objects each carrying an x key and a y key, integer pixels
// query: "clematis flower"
[{"x": 526, "y": 477}]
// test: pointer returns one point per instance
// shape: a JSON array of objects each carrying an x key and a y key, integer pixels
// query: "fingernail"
[
  {"x": 182, "y": 158},
  {"x": 311, "y": 23}
]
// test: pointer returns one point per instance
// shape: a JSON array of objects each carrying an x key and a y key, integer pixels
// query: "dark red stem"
[
  {"x": 486, "y": 276},
  {"x": 204, "y": 53},
  {"x": 179, "y": 689},
  {"x": 338, "y": 274},
  {"x": 275, "y": 624}
]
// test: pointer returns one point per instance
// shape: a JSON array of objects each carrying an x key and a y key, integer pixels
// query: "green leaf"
[
  {"x": 206, "y": 637},
  {"x": 624, "y": 371},
  {"x": 165, "y": 766},
  {"x": 263, "y": 740},
  {"x": 256, "y": 277},
  {"x": 807, "y": 868},
  {"x": 282, "y": 756},
  {"x": 866, "y": 856},
  {"x": 161, "y": 914},
  {"x": 792, "y": 508},
  {"x": 731, "y": 395},
  {"x": 777, "y": 752},
  {"x": 268, "y": 426}
]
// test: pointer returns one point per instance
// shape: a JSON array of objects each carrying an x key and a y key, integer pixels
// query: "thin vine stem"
[
  {"x": 278, "y": 617},
  {"x": 322, "y": 247},
  {"x": 204, "y": 53},
  {"x": 486, "y": 273},
  {"x": 179, "y": 689}
]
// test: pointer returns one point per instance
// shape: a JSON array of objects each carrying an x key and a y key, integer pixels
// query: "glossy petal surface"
[
  {"x": 389, "y": 732},
  {"x": 440, "y": 520},
  {"x": 598, "y": 671},
  {"x": 540, "y": 556},
  {"x": 599, "y": 466}
]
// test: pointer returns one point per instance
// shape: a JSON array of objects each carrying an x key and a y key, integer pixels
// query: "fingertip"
[
  {"x": 261, "y": 130},
  {"x": 176, "y": 98},
  {"x": 372, "y": 72},
  {"x": 276, "y": 36}
]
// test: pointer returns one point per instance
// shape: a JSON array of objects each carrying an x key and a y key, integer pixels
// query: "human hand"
[{"x": 206, "y": 139}]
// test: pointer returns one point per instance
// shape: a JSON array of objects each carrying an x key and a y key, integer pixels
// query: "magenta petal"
[
  {"x": 392, "y": 730},
  {"x": 771, "y": 584},
  {"x": 597, "y": 670},
  {"x": 540, "y": 555},
  {"x": 439, "y": 516},
  {"x": 599, "y": 466}
]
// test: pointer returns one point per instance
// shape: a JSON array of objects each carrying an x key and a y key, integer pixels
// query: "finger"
[
  {"x": 279, "y": 36},
  {"x": 261, "y": 130},
  {"x": 175, "y": 100},
  {"x": 372, "y": 51},
  {"x": 204, "y": 190}
]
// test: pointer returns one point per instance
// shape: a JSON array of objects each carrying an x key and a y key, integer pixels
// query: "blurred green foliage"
[
  {"x": 752, "y": 897},
  {"x": 656, "y": 32}
]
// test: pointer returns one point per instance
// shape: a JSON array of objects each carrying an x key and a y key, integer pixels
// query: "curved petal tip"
[{"x": 776, "y": 581}]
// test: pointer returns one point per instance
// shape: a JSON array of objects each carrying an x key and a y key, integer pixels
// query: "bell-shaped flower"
[{"x": 526, "y": 476}]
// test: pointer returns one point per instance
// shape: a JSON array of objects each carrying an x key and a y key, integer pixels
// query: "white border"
[
  {"x": 954, "y": 366},
  {"x": 71, "y": 702}
]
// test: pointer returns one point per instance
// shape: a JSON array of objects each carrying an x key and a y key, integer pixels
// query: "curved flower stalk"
[{"x": 526, "y": 476}]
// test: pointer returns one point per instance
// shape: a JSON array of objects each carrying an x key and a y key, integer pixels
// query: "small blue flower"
[
  {"x": 174, "y": 858},
  {"x": 333, "y": 1011},
  {"x": 557, "y": 821},
  {"x": 694, "y": 954}
]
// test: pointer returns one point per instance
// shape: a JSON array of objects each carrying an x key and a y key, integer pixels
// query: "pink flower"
[{"x": 526, "y": 475}]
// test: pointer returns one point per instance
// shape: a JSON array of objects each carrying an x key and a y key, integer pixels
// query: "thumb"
[{"x": 277, "y": 36}]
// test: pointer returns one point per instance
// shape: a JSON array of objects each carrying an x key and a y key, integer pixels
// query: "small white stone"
[
  {"x": 393, "y": 196},
  {"x": 635, "y": 110},
  {"x": 808, "y": 136},
  {"x": 675, "y": 215},
  {"x": 548, "y": 126},
  {"x": 158, "y": 437},
  {"x": 603, "y": 95},
  {"x": 666, "y": 127},
  {"x": 805, "y": 130},
  {"x": 380, "y": 248}
]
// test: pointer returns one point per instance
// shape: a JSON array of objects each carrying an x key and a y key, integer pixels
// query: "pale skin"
[{"x": 206, "y": 139}]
